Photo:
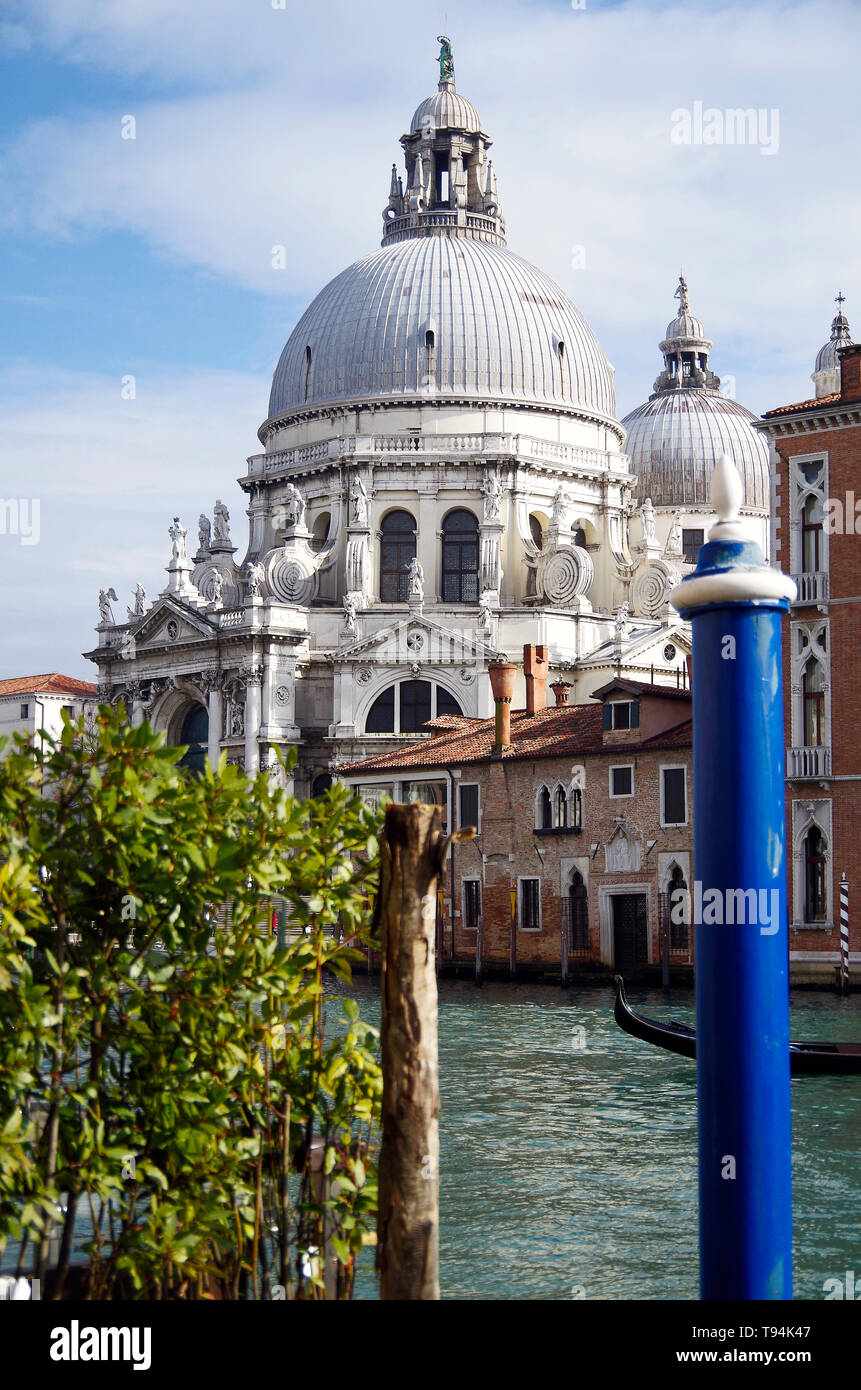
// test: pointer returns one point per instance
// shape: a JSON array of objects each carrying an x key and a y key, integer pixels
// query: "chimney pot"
[
  {"x": 503, "y": 675},
  {"x": 535, "y": 670}
]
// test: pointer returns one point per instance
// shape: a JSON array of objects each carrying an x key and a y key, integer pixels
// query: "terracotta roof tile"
[
  {"x": 803, "y": 405},
  {"x": 54, "y": 683},
  {"x": 560, "y": 731}
]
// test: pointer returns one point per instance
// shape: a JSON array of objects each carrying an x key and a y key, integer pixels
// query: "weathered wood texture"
[{"x": 408, "y": 1222}]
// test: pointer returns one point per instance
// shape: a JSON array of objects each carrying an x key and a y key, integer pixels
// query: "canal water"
[{"x": 568, "y": 1149}]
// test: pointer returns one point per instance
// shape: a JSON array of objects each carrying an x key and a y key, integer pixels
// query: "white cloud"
[{"x": 109, "y": 475}]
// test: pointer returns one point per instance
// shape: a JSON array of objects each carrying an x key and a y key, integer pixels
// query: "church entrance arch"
[{"x": 194, "y": 732}]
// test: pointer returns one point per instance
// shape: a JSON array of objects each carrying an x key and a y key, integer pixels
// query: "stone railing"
[
  {"x": 810, "y": 762},
  {"x": 812, "y": 587},
  {"x": 232, "y": 617},
  {"x": 483, "y": 445}
]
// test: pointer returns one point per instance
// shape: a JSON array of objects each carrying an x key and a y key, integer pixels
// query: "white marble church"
[{"x": 443, "y": 479}]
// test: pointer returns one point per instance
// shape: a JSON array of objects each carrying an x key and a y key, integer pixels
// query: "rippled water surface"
[{"x": 564, "y": 1166}]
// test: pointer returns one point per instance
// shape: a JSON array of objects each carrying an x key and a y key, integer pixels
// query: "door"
[{"x": 630, "y": 932}]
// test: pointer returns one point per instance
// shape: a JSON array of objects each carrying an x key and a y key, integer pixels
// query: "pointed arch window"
[
  {"x": 575, "y": 809},
  {"x": 815, "y": 897},
  {"x": 545, "y": 810},
  {"x": 811, "y": 536},
  {"x": 578, "y": 913},
  {"x": 678, "y": 931},
  {"x": 397, "y": 549},
  {"x": 560, "y": 809},
  {"x": 460, "y": 557},
  {"x": 813, "y": 699}
]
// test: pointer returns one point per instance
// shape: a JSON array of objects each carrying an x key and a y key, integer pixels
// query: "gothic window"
[
  {"x": 560, "y": 809},
  {"x": 813, "y": 699},
  {"x": 406, "y": 708},
  {"x": 460, "y": 557},
  {"x": 811, "y": 536},
  {"x": 814, "y": 876},
  {"x": 678, "y": 931},
  {"x": 397, "y": 549},
  {"x": 575, "y": 809},
  {"x": 195, "y": 733},
  {"x": 545, "y": 810},
  {"x": 578, "y": 913}
]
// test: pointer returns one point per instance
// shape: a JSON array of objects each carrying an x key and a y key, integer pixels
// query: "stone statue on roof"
[{"x": 446, "y": 59}]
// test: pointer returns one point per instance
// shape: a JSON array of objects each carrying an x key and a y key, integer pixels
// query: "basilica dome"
[
  {"x": 677, "y": 436},
  {"x": 444, "y": 312},
  {"x": 443, "y": 317}
]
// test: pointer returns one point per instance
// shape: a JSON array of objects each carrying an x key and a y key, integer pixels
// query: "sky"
[{"x": 261, "y": 123}]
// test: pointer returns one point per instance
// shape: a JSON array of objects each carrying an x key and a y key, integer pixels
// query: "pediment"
[
  {"x": 643, "y": 644},
  {"x": 417, "y": 639},
  {"x": 157, "y": 627}
]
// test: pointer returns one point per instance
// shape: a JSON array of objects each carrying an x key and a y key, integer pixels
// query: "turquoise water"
[{"x": 566, "y": 1168}]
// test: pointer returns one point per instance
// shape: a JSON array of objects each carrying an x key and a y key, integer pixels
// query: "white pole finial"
[{"x": 727, "y": 495}]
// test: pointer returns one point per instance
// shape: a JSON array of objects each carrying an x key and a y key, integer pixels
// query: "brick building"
[
  {"x": 816, "y": 465},
  {"x": 584, "y": 826}
]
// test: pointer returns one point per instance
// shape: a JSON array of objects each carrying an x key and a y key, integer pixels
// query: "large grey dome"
[
  {"x": 443, "y": 317},
  {"x": 675, "y": 440}
]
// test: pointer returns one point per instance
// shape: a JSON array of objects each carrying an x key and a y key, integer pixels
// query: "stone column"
[
  {"x": 215, "y": 709},
  {"x": 252, "y": 720}
]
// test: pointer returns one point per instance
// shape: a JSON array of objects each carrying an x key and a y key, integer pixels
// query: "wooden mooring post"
[{"x": 413, "y": 855}]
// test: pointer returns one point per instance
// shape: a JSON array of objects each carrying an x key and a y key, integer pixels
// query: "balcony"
[
  {"x": 814, "y": 762},
  {"x": 812, "y": 587}
]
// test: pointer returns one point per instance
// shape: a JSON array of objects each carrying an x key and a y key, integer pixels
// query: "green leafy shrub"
[{"x": 165, "y": 1073}]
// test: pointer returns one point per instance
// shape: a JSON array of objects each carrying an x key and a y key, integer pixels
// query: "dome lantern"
[
  {"x": 826, "y": 374},
  {"x": 450, "y": 183}
]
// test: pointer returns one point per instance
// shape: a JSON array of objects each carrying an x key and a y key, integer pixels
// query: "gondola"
[{"x": 805, "y": 1058}]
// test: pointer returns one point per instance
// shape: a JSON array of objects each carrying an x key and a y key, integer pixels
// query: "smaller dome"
[
  {"x": 684, "y": 325},
  {"x": 446, "y": 110},
  {"x": 827, "y": 358}
]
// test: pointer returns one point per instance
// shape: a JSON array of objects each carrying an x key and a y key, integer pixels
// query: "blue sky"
[{"x": 258, "y": 126}]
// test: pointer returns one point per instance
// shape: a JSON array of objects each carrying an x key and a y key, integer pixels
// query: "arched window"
[
  {"x": 560, "y": 809},
  {"x": 575, "y": 809},
  {"x": 679, "y": 931},
  {"x": 321, "y": 784},
  {"x": 578, "y": 913},
  {"x": 195, "y": 733},
  {"x": 811, "y": 536},
  {"x": 307, "y": 371},
  {"x": 319, "y": 532},
  {"x": 545, "y": 810},
  {"x": 536, "y": 531},
  {"x": 406, "y": 708},
  {"x": 460, "y": 557},
  {"x": 397, "y": 549},
  {"x": 430, "y": 354},
  {"x": 580, "y": 537},
  {"x": 813, "y": 697},
  {"x": 815, "y": 897}
]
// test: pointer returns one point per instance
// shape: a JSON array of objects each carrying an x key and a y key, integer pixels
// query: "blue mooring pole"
[{"x": 736, "y": 601}]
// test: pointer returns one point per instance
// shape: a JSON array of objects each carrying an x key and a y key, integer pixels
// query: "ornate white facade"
[{"x": 442, "y": 480}]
